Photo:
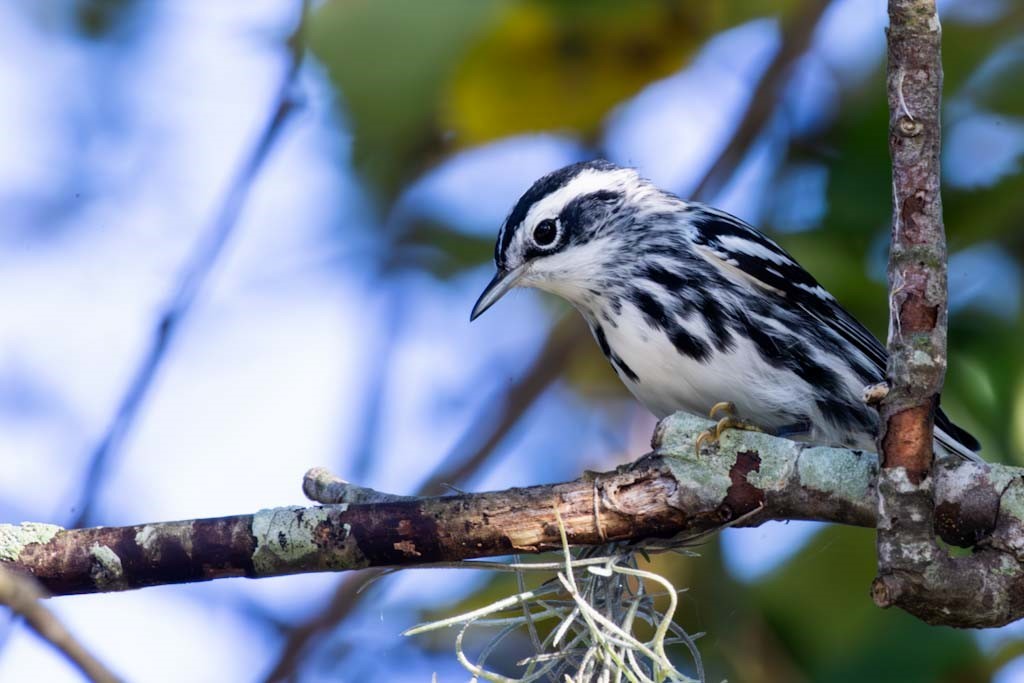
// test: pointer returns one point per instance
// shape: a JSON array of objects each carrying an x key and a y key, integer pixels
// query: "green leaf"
[{"x": 391, "y": 62}]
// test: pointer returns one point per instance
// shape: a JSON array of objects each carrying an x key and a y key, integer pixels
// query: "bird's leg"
[{"x": 730, "y": 421}]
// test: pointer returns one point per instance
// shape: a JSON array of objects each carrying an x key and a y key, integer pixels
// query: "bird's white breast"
[{"x": 668, "y": 381}]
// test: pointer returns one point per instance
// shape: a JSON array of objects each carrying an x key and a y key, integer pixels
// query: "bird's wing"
[{"x": 744, "y": 249}]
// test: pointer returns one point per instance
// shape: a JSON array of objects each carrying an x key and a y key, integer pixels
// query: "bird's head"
[{"x": 566, "y": 231}]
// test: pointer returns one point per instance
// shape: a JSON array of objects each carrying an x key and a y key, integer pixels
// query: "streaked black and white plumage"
[{"x": 693, "y": 306}]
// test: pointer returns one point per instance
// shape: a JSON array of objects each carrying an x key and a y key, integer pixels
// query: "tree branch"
[
  {"x": 917, "y": 259},
  {"x": 747, "y": 478},
  {"x": 490, "y": 429},
  {"x": 796, "y": 38},
  {"x": 199, "y": 266},
  {"x": 914, "y": 572},
  {"x": 23, "y": 596}
]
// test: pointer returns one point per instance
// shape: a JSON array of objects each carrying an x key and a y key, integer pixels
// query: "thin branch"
[
  {"x": 795, "y": 40},
  {"x": 200, "y": 264},
  {"x": 382, "y": 366},
  {"x": 491, "y": 428},
  {"x": 347, "y": 597},
  {"x": 23, "y": 596}
]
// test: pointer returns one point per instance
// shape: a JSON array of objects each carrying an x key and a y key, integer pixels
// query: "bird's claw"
[
  {"x": 727, "y": 407},
  {"x": 706, "y": 435},
  {"x": 730, "y": 421}
]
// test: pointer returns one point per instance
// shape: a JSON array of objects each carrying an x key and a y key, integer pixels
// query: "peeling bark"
[{"x": 907, "y": 441}]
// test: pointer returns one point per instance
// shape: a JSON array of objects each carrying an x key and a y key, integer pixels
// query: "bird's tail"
[{"x": 959, "y": 442}]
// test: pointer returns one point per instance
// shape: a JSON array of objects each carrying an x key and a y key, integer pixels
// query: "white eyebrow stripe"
[
  {"x": 501, "y": 240},
  {"x": 585, "y": 182}
]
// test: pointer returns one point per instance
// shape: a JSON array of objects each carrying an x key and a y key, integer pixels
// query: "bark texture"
[
  {"x": 914, "y": 571},
  {"x": 917, "y": 256},
  {"x": 747, "y": 478}
]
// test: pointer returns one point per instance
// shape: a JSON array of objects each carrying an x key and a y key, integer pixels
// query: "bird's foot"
[{"x": 730, "y": 421}]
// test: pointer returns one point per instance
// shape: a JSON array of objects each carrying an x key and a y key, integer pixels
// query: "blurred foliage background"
[{"x": 334, "y": 330}]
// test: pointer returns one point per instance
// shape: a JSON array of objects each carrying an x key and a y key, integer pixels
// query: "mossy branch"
[{"x": 671, "y": 493}]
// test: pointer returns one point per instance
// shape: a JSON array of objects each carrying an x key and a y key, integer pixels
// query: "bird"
[{"x": 697, "y": 310}]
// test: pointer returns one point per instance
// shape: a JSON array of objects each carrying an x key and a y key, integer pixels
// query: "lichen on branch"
[{"x": 670, "y": 494}]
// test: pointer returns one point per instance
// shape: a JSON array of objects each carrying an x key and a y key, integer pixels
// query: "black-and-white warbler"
[{"x": 694, "y": 307}]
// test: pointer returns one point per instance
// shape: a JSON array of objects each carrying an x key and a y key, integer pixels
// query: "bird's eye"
[{"x": 545, "y": 233}]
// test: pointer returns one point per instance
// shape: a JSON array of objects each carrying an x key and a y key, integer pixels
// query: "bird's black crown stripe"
[{"x": 540, "y": 189}]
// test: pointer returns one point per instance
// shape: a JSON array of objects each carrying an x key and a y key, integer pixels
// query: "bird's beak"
[{"x": 502, "y": 281}]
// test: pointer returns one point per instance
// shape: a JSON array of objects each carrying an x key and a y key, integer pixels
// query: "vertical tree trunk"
[{"x": 917, "y": 303}]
